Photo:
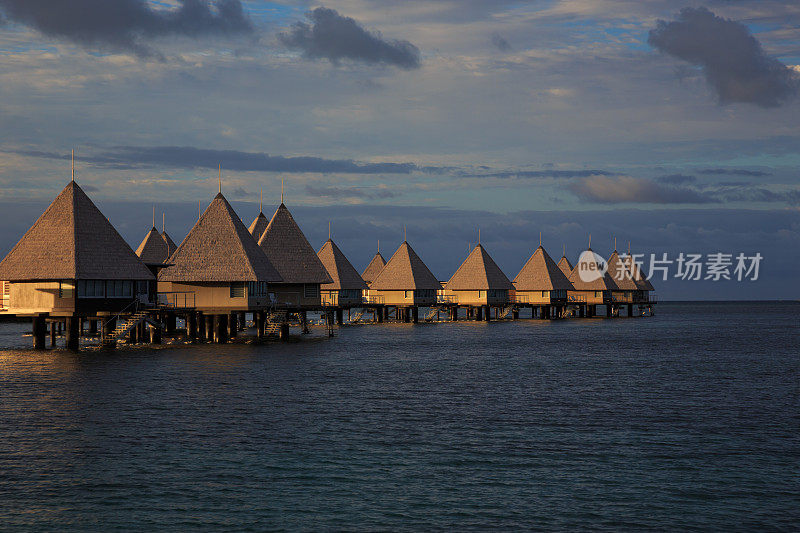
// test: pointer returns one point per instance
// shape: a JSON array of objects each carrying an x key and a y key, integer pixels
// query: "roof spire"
[
  {"x": 261, "y": 201},
  {"x": 615, "y": 244},
  {"x": 73, "y": 165},
  {"x": 564, "y": 253},
  {"x": 281, "y": 190},
  {"x": 629, "y": 247},
  {"x": 163, "y": 222},
  {"x": 590, "y": 241},
  {"x": 479, "y": 236},
  {"x": 154, "y": 216},
  {"x": 329, "y": 230},
  {"x": 404, "y": 233},
  {"x": 379, "y": 246},
  {"x": 220, "y": 178},
  {"x": 199, "y": 211},
  {"x": 540, "y": 239}
]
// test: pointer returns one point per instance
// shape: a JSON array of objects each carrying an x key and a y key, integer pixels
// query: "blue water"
[{"x": 688, "y": 420}]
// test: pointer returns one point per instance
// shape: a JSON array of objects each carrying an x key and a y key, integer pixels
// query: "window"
[
  {"x": 350, "y": 294},
  {"x": 310, "y": 291},
  {"x": 424, "y": 293},
  {"x": 91, "y": 288},
  {"x": 257, "y": 288},
  {"x": 408, "y": 294},
  {"x": 481, "y": 294},
  {"x": 237, "y": 290},
  {"x": 66, "y": 289},
  {"x": 497, "y": 293},
  {"x": 142, "y": 287},
  {"x": 119, "y": 289}
]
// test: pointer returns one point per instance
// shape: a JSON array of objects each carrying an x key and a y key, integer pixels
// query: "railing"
[
  {"x": 176, "y": 300},
  {"x": 446, "y": 299},
  {"x": 576, "y": 298},
  {"x": 376, "y": 299},
  {"x": 625, "y": 298},
  {"x": 519, "y": 298},
  {"x": 330, "y": 299}
]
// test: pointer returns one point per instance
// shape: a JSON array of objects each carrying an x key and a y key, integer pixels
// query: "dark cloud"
[
  {"x": 350, "y": 192},
  {"x": 186, "y": 157},
  {"x": 627, "y": 189},
  {"x": 733, "y": 172},
  {"x": 240, "y": 192},
  {"x": 760, "y": 194},
  {"x": 336, "y": 38},
  {"x": 732, "y": 60},
  {"x": 676, "y": 179},
  {"x": 500, "y": 43},
  {"x": 126, "y": 25},
  {"x": 543, "y": 174}
]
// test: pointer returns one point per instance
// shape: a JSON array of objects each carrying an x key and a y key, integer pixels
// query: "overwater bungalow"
[
  {"x": 478, "y": 282},
  {"x": 72, "y": 265},
  {"x": 374, "y": 268},
  {"x": 564, "y": 265},
  {"x": 219, "y": 271},
  {"x": 260, "y": 223},
  {"x": 347, "y": 286},
  {"x": 295, "y": 260},
  {"x": 592, "y": 284},
  {"x": 627, "y": 291},
  {"x": 541, "y": 282},
  {"x": 405, "y": 282},
  {"x": 156, "y": 248}
]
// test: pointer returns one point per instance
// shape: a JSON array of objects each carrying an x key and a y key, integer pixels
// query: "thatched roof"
[
  {"x": 219, "y": 249},
  {"x": 620, "y": 273},
  {"x": 405, "y": 271},
  {"x": 288, "y": 249},
  {"x": 339, "y": 269},
  {"x": 171, "y": 246},
  {"x": 540, "y": 273},
  {"x": 258, "y": 226},
  {"x": 373, "y": 268},
  {"x": 154, "y": 249},
  {"x": 478, "y": 272},
  {"x": 565, "y": 266},
  {"x": 602, "y": 283},
  {"x": 72, "y": 240},
  {"x": 642, "y": 283}
]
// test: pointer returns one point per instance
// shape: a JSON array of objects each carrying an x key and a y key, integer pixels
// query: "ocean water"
[{"x": 687, "y": 420}]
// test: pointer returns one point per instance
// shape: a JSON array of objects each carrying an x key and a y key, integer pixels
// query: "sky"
[{"x": 670, "y": 125}]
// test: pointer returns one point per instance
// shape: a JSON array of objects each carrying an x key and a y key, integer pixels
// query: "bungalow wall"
[
  {"x": 589, "y": 297},
  {"x": 223, "y": 297},
  {"x": 300, "y": 295},
  {"x": 85, "y": 297},
  {"x": 478, "y": 297},
  {"x": 540, "y": 297},
  {"x": 343, "y": 298},
  {"x": 406, "y": 298}
]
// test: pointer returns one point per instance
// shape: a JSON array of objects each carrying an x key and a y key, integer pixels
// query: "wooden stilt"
[
  {"x": 39, "y": 330},
  {"x": 73, "y": 333}
]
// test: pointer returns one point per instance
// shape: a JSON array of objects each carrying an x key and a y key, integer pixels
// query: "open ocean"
[{"x": 687, "y": 420}]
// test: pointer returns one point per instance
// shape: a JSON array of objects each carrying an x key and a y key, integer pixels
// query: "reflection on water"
[{"x": 685, "y": 420}]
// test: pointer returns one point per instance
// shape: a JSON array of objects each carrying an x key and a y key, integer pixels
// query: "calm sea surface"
[{"x": 688, "y": 420}]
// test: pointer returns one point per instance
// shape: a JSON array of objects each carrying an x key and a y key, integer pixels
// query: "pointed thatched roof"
[
  {"x": 620, "y": 273},
  {"x": 339, "y": 268},
  {"x": 642, "y": 283},
  {"x": 602, "y": 283},
  {"x": 219, "y": 249},
  {"x": 171, "y": 246},
  {"x": 374, "y": 268},
  {"x": 565, "y": 266},
  {"x": 288, "y": 249},
  {"x": 154, "y": 249},
  {"x": 540, "y": 273},
  {"x": 478, "y": 272},
  {"x": 72, "y": 240},
  {"x": 258, "y": 226},
  {"x": 405, "y": 271}
]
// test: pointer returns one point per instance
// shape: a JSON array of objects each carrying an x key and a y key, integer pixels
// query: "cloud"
[
  {"x": 732, "y": 60},
  {"x": 676, "y": 179},
  {"x": 186, "y": 157},
  {"x": 350, "y": 192},
  {"x": 125, "y": 25},
  {"x": 336, "y": 38},
  {"x": 627, "y": 189},
  {"x": 543, "y": 174},
  {"x": 500, "y": 43},
  {"x": 733, "y": 172},
  {"x": 760, "y": 194}
]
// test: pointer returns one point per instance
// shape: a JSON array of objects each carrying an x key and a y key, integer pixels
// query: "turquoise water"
[{"x": 688, "y": 420}]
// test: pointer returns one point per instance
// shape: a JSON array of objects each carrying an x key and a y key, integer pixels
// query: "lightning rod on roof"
[
  {"x": 73, "y": 165},
  {"x": 261, "y": 201},
  {"x": 154, "y": 215},
  {"x": 281, "y": 190},
  {"x": 163, "y": 222},
  {"x": 220, "y": 178}
]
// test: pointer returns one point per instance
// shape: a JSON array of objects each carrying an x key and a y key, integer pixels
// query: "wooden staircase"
[{"x": 124, "y": 326}]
